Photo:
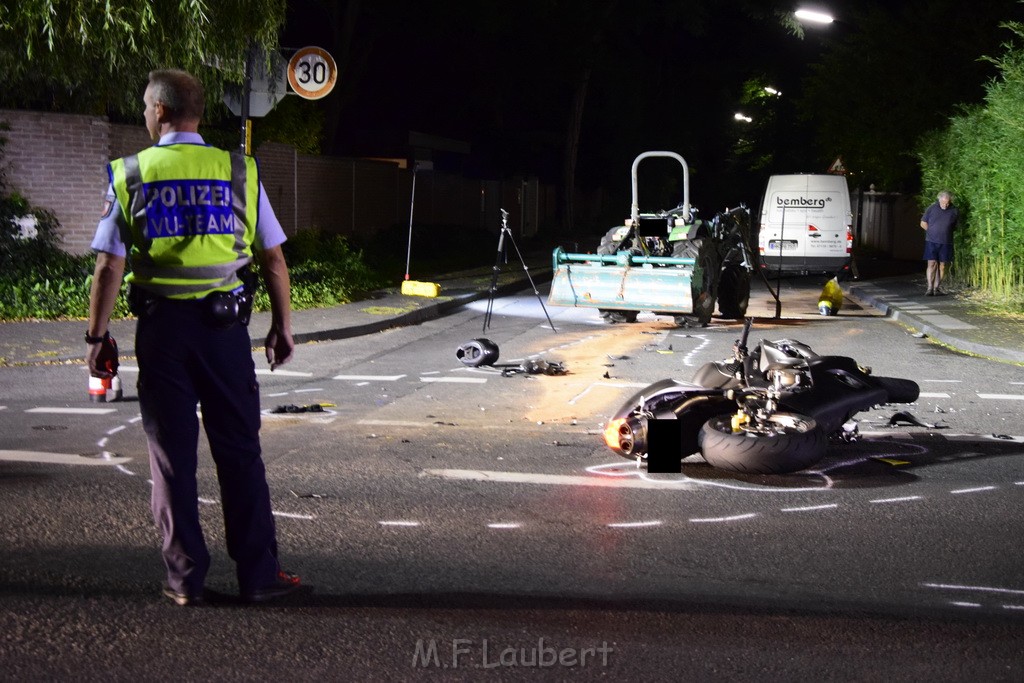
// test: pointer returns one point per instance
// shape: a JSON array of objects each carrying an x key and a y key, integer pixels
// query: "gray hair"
[{"x": 945, "y": 194}]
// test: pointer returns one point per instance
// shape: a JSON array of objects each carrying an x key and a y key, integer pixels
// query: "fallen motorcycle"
[{"x": 769, "y": 410}]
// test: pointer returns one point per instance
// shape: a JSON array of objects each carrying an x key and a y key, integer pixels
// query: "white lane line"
[
  {"x": 1012, "y": 606},
  {"x": 117, "y": 429},
  {"x": 895, "y": 500},
  {"x": 455, "y": 380},
  {"x": 125, "y": 470},
  {"x": 207, "y": 501},
  {"x": 3, "y": 407},
  {"x": 282, "y": 373},
  {"x": 305, "y": 391},
  {"x": 551, "y": 479},
  {"x": 280, "y": 393},
  {"x": 634, "y": 525},
  {"x": 957, "y": 603},
  {"x": 369, "y": 378},
  {"x": 137, "y": 418},
  {"x": 504, "y": 525},
  {"x": 61, "y": 458},
  {"x": 431, "y": 372},
  {"x": 982, "y": 589},
  {"x": 731, "y": 518},
  {"x": 930, "y": 394},
  {"x": 974, "y": 490},
  {"x": 398, "y": 522},
  {"x": 361, "y": 384},
  {"x": 944, "y": 381},
  {"x": 1003, "y": 397},
  {"x": 73, "y": 411},
  {"x": 808, "y": 508},
  {"x": 292, "y": 515}
]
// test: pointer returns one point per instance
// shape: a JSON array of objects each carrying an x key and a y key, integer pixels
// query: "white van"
[{"x": 806, "y": 224}]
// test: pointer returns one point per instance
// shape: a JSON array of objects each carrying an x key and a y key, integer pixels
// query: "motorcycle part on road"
[{"x": 477, "y": 352}]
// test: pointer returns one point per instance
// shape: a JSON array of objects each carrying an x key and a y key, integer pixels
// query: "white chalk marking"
[
  {"x": 394, "y": 423},
  {"x": 613, "y": 385},
  {"x": 957, "y": 603},
  {"x": 634, "y": 525},
  {"x": 731, "y": 518},
  {"x": 207, "y": 501},
  {"x": 125, "y": 470},
  {"x": 279, "y": 393},
  {"x": 115, "y": 430},
  {"x": 895, "y": 500},
  {"x": 974, "y": 490},
  {"x": 1003, "y": 397},
  {"x": 306, "y": 391},
  {"x": 398, "y": 523},
  {"x": 808, "y": 508},
  {"x": 504, "y": 525},
  {"x": 1012, "y": 606},
  {"x": 944, "y": 381},
  {"x": 137, "y": 418},
  {"x": 929, "y": 394},
  {"x": 102, "y": 443}
]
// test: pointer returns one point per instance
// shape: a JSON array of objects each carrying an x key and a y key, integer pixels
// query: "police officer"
[{"x": 189, "y": 216}]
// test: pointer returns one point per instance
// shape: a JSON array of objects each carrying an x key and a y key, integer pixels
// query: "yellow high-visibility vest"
[{"x": 191, "y": 212}]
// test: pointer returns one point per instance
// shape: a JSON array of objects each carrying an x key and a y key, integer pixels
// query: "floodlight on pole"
[
  {"x": 772, "y": 91},
  {"x": 813, "y": 16},
  {"x": 742, "y": 117}
]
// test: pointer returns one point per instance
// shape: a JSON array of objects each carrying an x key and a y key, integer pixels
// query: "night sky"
[{"x": 501, "y": 76}]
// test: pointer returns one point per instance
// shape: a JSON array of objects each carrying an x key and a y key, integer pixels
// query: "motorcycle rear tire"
[{"x": 799, "y": 445}]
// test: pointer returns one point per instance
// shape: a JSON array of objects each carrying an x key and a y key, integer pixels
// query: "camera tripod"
[{"x": 497, "y": 269}]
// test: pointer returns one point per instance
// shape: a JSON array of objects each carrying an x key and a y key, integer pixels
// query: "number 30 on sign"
[{"x": 312, "y": 73}]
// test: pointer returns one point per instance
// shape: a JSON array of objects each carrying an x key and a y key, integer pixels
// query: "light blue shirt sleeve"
[{"x": 108, "y": 232}]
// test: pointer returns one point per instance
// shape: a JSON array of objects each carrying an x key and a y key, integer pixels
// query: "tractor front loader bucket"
[{"x": 622, "y": 281}]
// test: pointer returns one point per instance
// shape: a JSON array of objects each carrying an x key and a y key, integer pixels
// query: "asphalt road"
[{"x": 457, "y": 524}]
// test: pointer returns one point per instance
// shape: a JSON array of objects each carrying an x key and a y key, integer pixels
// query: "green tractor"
[{"x": 669, "y": 262}]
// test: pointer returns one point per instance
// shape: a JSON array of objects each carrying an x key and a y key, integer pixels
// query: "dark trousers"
[{"x": 184, "y": 361}]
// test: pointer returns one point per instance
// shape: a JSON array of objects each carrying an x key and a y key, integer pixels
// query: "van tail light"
[{"x": 849, "y": 241}]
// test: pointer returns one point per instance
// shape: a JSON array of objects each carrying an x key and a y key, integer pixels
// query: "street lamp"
[
  {"x": 742, "y": 117},
  {"x": 772, "y": 91},
  {"x": 814, "y": 16}
]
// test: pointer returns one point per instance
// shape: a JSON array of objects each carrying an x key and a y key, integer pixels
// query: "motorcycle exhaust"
[{"x": 626, "y": 436}]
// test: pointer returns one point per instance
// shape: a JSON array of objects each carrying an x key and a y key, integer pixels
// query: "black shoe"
[
  {"x": 285, "y": 583},
  {"x": 940, "y": 292},
  {"x": 183, "y": 599},
  {"x": 930, "y": 292}
]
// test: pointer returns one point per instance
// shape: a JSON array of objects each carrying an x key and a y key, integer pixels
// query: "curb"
[{"x": 942, "y": 336}]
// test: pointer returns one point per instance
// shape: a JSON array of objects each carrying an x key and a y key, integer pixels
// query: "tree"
[
  {"x": 891, "y": 72},
  {"x": 93, "y": 57}
]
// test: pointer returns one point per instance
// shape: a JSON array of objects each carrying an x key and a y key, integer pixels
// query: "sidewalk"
[
  {"x": 32, "y": 343},
  {"x": 951, "y": 320}
]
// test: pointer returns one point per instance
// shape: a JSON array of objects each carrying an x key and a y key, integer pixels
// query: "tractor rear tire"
[
  {"x": 733, "y": 292},
  {"x": 610, "y": 246},
  {"x": 703, "y": 284}
]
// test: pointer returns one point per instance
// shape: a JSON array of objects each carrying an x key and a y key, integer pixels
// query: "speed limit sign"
[{"x": 312, "y": 73}]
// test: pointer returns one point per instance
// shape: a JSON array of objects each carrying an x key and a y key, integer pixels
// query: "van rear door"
[{"x": 806, "y": 219}]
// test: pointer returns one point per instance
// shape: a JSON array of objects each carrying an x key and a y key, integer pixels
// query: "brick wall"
[{"x": 58, "y": 162}]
